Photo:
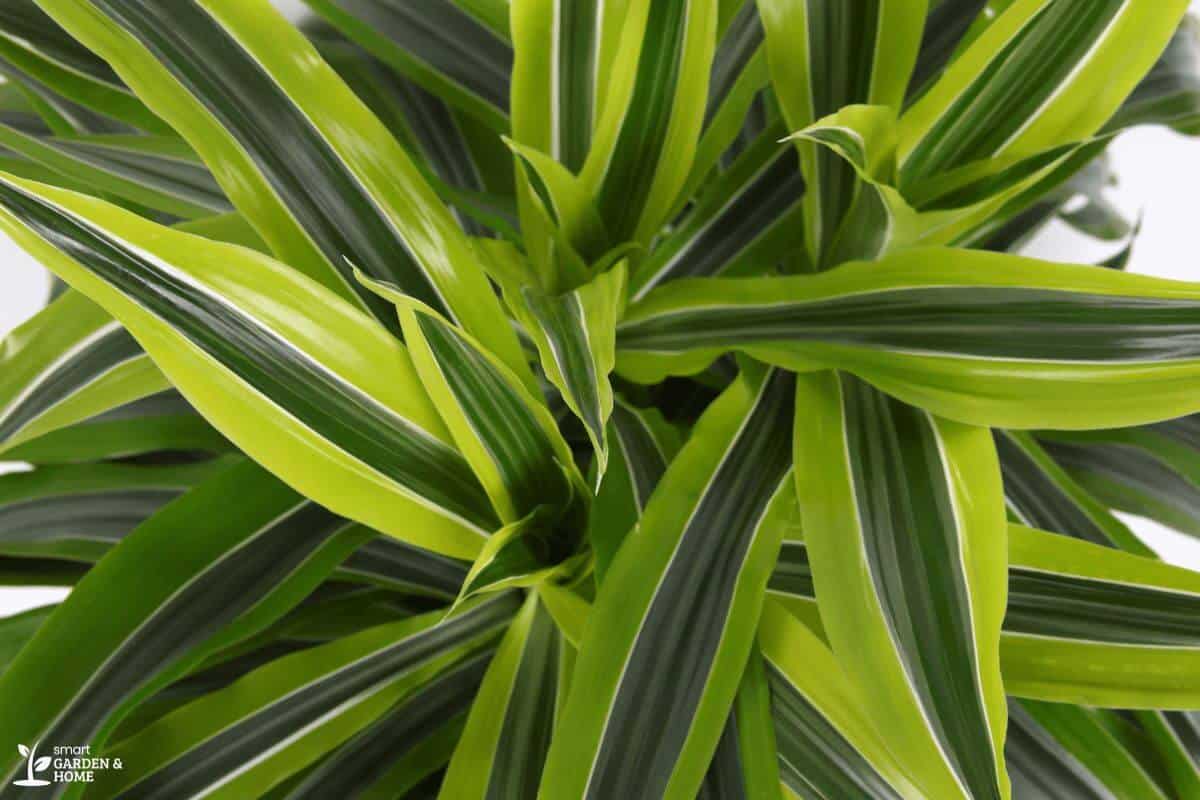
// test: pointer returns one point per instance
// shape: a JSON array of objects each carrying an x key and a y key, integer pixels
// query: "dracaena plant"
[{"x": 580, "y": 399}]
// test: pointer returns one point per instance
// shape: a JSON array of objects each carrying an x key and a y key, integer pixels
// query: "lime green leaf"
[
  {"x": 273, "y": 722},
  {"x": 666, "y": 643},
  {"x": 436, "y": 43},
  {"x": 826, "y": 736},
  {"x": 271, "y": 550},
  {"x": 1044, "y": 74},
  {"x": 921, "y": 573},
  {"x": 1049, "y": 335},
  {"x": 574, "y": 335},
  {"x": 288, "y": 394},
  {"x": 1091, "y": 625},
  {"x": 506, "y": 434},
  {"x": 823, "y": 58},
  {"x": 562, "y": 50},
  {"x": 69, "y": 362},
  {"x": 646, "y": 136},
  {"x": 1170, "y": 92},
  {"x": 513, "y": 716},
  {"x": 374, "y": 207}
]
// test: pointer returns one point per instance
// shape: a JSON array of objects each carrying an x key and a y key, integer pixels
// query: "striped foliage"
[{"x": 565, "y": 399}]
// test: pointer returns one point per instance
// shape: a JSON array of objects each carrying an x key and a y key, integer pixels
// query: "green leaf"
[
  {"x": 404, "y": 568},
  {"x": 278, "y": 719},
  {"x": 643, "y": 445},
  {"x": 1078, "y": 739},
  {"x": 646, "y": 136},
  {"x": 79, "y": 511},
  {"x": 1122, "y": 621},
  {"x": 1170, "y": 92},
  {"x": 559, "y": 74},
  {"x": 504, "y": 744},
  {"x": 746, "y": 764},
  {"x": 980, "y": 337},
  {"x": 64, "y": 74},
  {"x": 158, "y": 423},
  {"x": 67, "y": 363},
  {"x": 1151, "y": 470},
  {"x": 912, "y": 589},
  {"x": 505, "y": 433},
  {"x": 411, "y": 741},
  {"x": 1044, "y": 74},
  {"x": 336, "y": 410},
  {"x": 946, "y": 27},
  {"x": 373, "y": 208},
  {"x": 739, "y": 74},
  {"x": 1090, "y": 625},
  {"x": 220, "y": 584},
  {"x": 16, "y": 631},
  {"x": 574, "y": 336},
  {"x": 747, "y": 219},
  {"x": 1040, "y": 494},
  {"x": 1176, "y": 739},
  {"x": 827, "y": 740},
  {"x": 436, "y": 43},
  {"x": 823, "y": 58},
  {"x": 667, "y": 641}
]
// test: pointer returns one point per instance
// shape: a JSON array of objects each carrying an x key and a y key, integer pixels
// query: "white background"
[{"x": 1159, "y": 176}]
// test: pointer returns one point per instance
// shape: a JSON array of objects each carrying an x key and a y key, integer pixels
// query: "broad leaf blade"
[
  {"x": 230, "y": 327},
  {"x": 984, "y": 338},
  {"x": 69, "y": 362},
  {"x": 666, "y": 642},
  {"x": 272, "y": 550},
  {"x": 373, "y": 208},
  {"x": 914, "y": 598},
  {"x": 504, "y": 744}
]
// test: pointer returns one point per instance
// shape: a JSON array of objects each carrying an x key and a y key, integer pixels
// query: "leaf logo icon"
[{"x": 32, "y": 765}]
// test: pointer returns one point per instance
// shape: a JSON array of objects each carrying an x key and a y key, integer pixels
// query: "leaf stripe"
[
  {"x": 420, "y": 464},
  {"x": 742, "y": 39},
  {"x": 644, "y": 456}
]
